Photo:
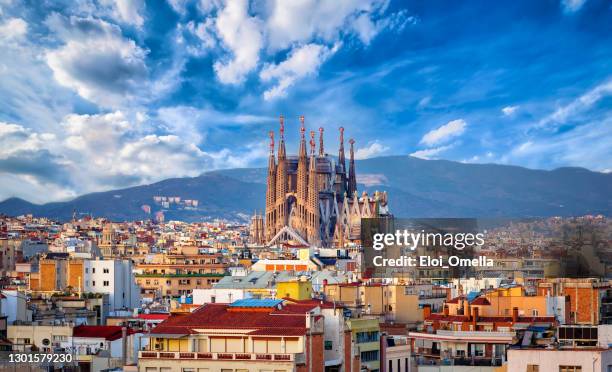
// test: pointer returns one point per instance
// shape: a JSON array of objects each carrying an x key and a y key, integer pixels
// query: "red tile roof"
[
  {"x": 110, "y": 333},
  {"x": 480, "y": 301},
  {"x": 153, "y": 316},
  {"x": 312, "y": 303},
  {"x": 455, "y": 300},
  {"x": 290, "y": 320}
]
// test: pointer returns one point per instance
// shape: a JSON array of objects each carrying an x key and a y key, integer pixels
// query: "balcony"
[
  {"x": 467, "y": 336},
  {"x": 221, "y": 356}
]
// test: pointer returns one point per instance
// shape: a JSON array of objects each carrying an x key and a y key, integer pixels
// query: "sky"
[{"x": 106, "y": 94}]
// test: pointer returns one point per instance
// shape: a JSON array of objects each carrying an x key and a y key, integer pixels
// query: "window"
[
  {"x": 93, "y": 283},
  {"x": 478, "y": 350},
  {"x": 93, "y": 270},
  {"x": 328, "y": 345},
  {"x": 188, "y": 370},
  {"x": 367, "y": 336},
  {"x": 460, "y": 353},
  {"x": 369, "y": 356},
  {"x": 570, "y": 368},
  {"x": 405, "y": 365},
  {"x": 399, "y": 368},
  {"x": 86, "y": 270},
  {"x": 534, "y": 312},
  {"x": 390, "y": 366},
  {"x": 533, "y": 368},
  {"x": 106, "y": 283},
  {"x": 106, "y": 271}
]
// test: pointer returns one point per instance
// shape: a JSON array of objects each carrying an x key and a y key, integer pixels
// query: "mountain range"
[{"x": 416, "y": 188}]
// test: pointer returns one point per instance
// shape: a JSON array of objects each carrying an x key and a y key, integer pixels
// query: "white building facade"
[{"x": 115, "y": 278}]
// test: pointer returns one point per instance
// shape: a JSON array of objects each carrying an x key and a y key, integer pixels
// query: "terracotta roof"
[
  {"x": 455, "y": 300},
  {"x": 480, "y": 301},
  {"x": 313, "y": 303},
  {"x": 153, "y": 316},
  {"x": 217, "y": 316},
  {"x": 110, "y": 333}
]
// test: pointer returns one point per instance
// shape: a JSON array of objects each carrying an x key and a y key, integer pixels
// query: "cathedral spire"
[
  {"x": 312, "y": 142},
  {"x": 321, "y": 149},
  {"x": 313, "y": 223},
  {"x": 281, "y": 144},
  {"x": 302, "y": 172},
  {"x": 270, "y": 192},
  {"x": 352, "y": 179},
  {"x": 302, "y": 152},
  {"x": 271, "y": 134},
  {"x": 281, "y": 179},
  {"x": 341, "y": 159}
]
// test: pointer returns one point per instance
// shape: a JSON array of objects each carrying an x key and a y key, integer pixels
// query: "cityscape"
[
  {"x": 288, "y": 290},
  {"x": 305, "y": 186}
]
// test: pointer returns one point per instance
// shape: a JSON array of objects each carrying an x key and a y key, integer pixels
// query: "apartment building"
[
  {"x": 247, "y": 335},
  {"x": 365, "y": 338},
  {"x": 559, "y": 360},
  {"x": 115, "y": 278}
]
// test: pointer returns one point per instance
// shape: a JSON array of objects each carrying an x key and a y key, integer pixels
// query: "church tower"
[
  {"x": 313, "y": 223},
  {"x": 352, "y": 179},
  {"x": 302, "y": 180},
  {"x": 271, "y": 192},
  {"x": 281, "y": 180},
  {"x": 341, "y": 166}
]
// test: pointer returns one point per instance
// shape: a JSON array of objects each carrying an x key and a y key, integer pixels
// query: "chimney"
[
  {"x": 124, "y": 345},
  {"x": 515, "y": 314},
  {"x": 445, "y": 310},
  {"x": 426, "y": 311},
  {"x": 474, "y": 317}
]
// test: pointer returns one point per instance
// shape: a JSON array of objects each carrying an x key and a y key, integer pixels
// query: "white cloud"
[
  {"x": 431, "y": 153},
  {"x": 101, "y": 152},
  {"x": 571, "y": 6},
  {"x": 249, "y": 29},
  {"x": 371, "y": 150},
  {"x": 581, "y": 104},
  {"x": 129, "y": 11},
  {"x": 241, "y": 34},
  {"x": 509, "y": 110},
  {"x": 96, "y": 60},
  {"x": 302, "y": 21},
  {"x": 13, "y": 29},
  {"x": 587, "y": 145},
  {"x": 301, "y": 62},
  {"x": 442, "y": 134}
]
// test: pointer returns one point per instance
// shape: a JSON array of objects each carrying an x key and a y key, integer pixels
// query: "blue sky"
[{"x": 97, "y": 95}]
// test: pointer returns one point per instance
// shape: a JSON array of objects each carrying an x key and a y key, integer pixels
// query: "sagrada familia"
[{"x": 311, "y": 199}]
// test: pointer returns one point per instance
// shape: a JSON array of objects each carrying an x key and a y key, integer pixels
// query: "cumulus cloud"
[
  {"x": 129, "y": 11},
  {"x": 13, "y": 29},
  {"x": 311, "y": 30},
  {"x": 444, "y": 133},
  {"x": 104, "y": 151},
  {"x": 371, "y": 150},
  {"x": 431, "y": 153},
  {"x": 509, "y": 110},
  {"x": 302, "y": 61},
  {"x": 96, "y": 61},
  {"x": 241, "y": 34}
]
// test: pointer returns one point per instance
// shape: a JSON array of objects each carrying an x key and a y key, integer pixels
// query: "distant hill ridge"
[{"x": 417, "y": 188}]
